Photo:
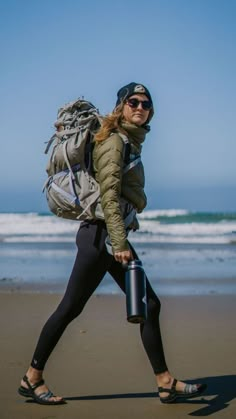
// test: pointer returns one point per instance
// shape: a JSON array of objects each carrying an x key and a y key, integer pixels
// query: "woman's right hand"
[{"x": 123, "y": 257}]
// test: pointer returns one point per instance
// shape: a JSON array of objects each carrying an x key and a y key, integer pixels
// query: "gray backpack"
[{"x": 71, "y": 189}]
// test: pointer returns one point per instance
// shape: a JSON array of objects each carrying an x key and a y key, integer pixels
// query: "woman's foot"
[
  {"x": 170, "y": 389},
  {"x": 32, "y": 385}
]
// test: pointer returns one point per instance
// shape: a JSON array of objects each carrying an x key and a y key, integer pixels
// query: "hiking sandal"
[
  {"x": 42, "y": 398},
  {"x": 190, "y": 391}
]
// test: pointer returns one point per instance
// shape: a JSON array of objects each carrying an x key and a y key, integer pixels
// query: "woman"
[{"x": 119, "y": 193}]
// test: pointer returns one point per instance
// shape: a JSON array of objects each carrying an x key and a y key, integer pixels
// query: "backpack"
[{"x": 71, "y": 189}]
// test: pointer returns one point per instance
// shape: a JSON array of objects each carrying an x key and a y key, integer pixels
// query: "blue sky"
[{"x": 184, "y": 51}]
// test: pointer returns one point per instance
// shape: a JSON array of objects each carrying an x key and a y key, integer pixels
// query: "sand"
[{"x": 100, "y": 366}]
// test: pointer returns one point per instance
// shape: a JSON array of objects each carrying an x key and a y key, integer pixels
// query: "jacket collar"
[{"x": 135, "y": 133}]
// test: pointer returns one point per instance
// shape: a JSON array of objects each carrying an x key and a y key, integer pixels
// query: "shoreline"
[{"x": 163, "y": 287}]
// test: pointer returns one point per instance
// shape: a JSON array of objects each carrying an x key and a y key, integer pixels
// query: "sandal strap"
[
  {"x": 32, "y": 387},
  {"x": 165, "y": 390},
  {"x": 174, "y": 384},
  {"x": 168, "y": 390},
  {"x": 190, "y": 388},
  {"x": 45, "y": 396}
]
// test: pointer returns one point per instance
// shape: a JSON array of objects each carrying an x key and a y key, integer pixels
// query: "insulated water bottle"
[{"x": 135, "y": 284}]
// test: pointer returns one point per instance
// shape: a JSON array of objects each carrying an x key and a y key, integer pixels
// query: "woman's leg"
[
  {"x": 151, "y": 338},
  {"x": 91, "y": 264},
  {"x": 150, "y": 329}
]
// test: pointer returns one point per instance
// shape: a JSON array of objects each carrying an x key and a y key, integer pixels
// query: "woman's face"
[{"x": 133, "y": 111}]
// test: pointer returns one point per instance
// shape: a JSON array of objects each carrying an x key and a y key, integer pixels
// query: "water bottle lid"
[{"x": 135, "y": 264}]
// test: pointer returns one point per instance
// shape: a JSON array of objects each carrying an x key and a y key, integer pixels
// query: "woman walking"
[{"x": 120, "y": 193}]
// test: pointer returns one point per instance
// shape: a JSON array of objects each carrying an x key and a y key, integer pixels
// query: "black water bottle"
[{"x": 135, "y": 284}]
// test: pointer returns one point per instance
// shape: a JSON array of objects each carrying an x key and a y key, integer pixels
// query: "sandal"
[
  {"x": 190, "y": 391},
  {"x": 42, "y": 398}
]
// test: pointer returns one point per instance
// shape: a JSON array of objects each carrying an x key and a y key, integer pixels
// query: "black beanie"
[{"x": 130, "y": 90}]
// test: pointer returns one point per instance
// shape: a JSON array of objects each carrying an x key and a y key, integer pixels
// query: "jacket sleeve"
[{"x": 110, "y": 162}]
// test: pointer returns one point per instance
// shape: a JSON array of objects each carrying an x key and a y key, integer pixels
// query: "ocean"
[{"x": 183, "y": 252}]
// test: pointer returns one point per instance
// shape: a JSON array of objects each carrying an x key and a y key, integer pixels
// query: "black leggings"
[{"x": 91, "y": 264}]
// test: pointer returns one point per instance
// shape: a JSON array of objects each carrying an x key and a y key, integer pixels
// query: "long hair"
[{"x": 110, "y": 123}]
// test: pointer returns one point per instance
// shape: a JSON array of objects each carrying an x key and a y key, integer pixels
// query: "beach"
[{"x": 100, "y": 366}]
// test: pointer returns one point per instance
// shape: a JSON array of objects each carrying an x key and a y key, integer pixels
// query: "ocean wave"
[
  {"x": 35, "y": 224},
  {"x": 57, "y": 238},
  {"x": 153, "y": 214},
  {"x": 33, "y": 227},
  {"x": 193, "y": 229}
]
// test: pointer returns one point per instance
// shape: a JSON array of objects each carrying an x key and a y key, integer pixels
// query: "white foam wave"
[
  {"x": 45, "y": 252},
  {"x": 36, "y": 228},
  {"x": 148, "y": 214},
  {"x": 147, "y": 238},
  {"x": 188, "y": 229},
  {"x": 40, "y": 239},
  {"x": 34, "y": 224}
]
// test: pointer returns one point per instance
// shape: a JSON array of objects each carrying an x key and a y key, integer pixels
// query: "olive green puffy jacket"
[{"x": 108, "y": 159}]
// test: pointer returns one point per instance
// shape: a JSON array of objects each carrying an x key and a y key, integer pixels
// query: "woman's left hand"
[{"x": 123, "y": 257}]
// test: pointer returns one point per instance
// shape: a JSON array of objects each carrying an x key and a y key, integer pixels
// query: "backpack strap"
[
  {"x": 127, "y": 147},
  {"x": 65, "y": 155},
  {"x": 49, "y": 143},
  {"x": 132, "y": 164},
  {"x": 130, "y": 160}
]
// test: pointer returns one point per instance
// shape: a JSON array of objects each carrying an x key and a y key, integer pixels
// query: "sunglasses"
[{"x": 134, "y": 103}]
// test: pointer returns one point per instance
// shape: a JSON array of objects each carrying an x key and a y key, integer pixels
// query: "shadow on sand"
[{"x": 221, "y": 390}]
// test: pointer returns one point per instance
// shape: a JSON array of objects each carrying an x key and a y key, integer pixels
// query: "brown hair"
[{"x": 110, "y": 123}]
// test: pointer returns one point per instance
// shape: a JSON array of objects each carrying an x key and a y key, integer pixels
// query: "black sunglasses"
[{"x": 133, "y": 103}]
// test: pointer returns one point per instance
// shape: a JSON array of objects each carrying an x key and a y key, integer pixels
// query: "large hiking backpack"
[{"x": 71, "y": 189}]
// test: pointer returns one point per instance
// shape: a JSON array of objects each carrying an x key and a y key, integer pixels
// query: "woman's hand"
[{"x": 124, "y": 257}]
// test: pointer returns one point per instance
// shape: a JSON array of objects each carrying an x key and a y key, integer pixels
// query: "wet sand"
[{"x": 100, "y": 366}]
